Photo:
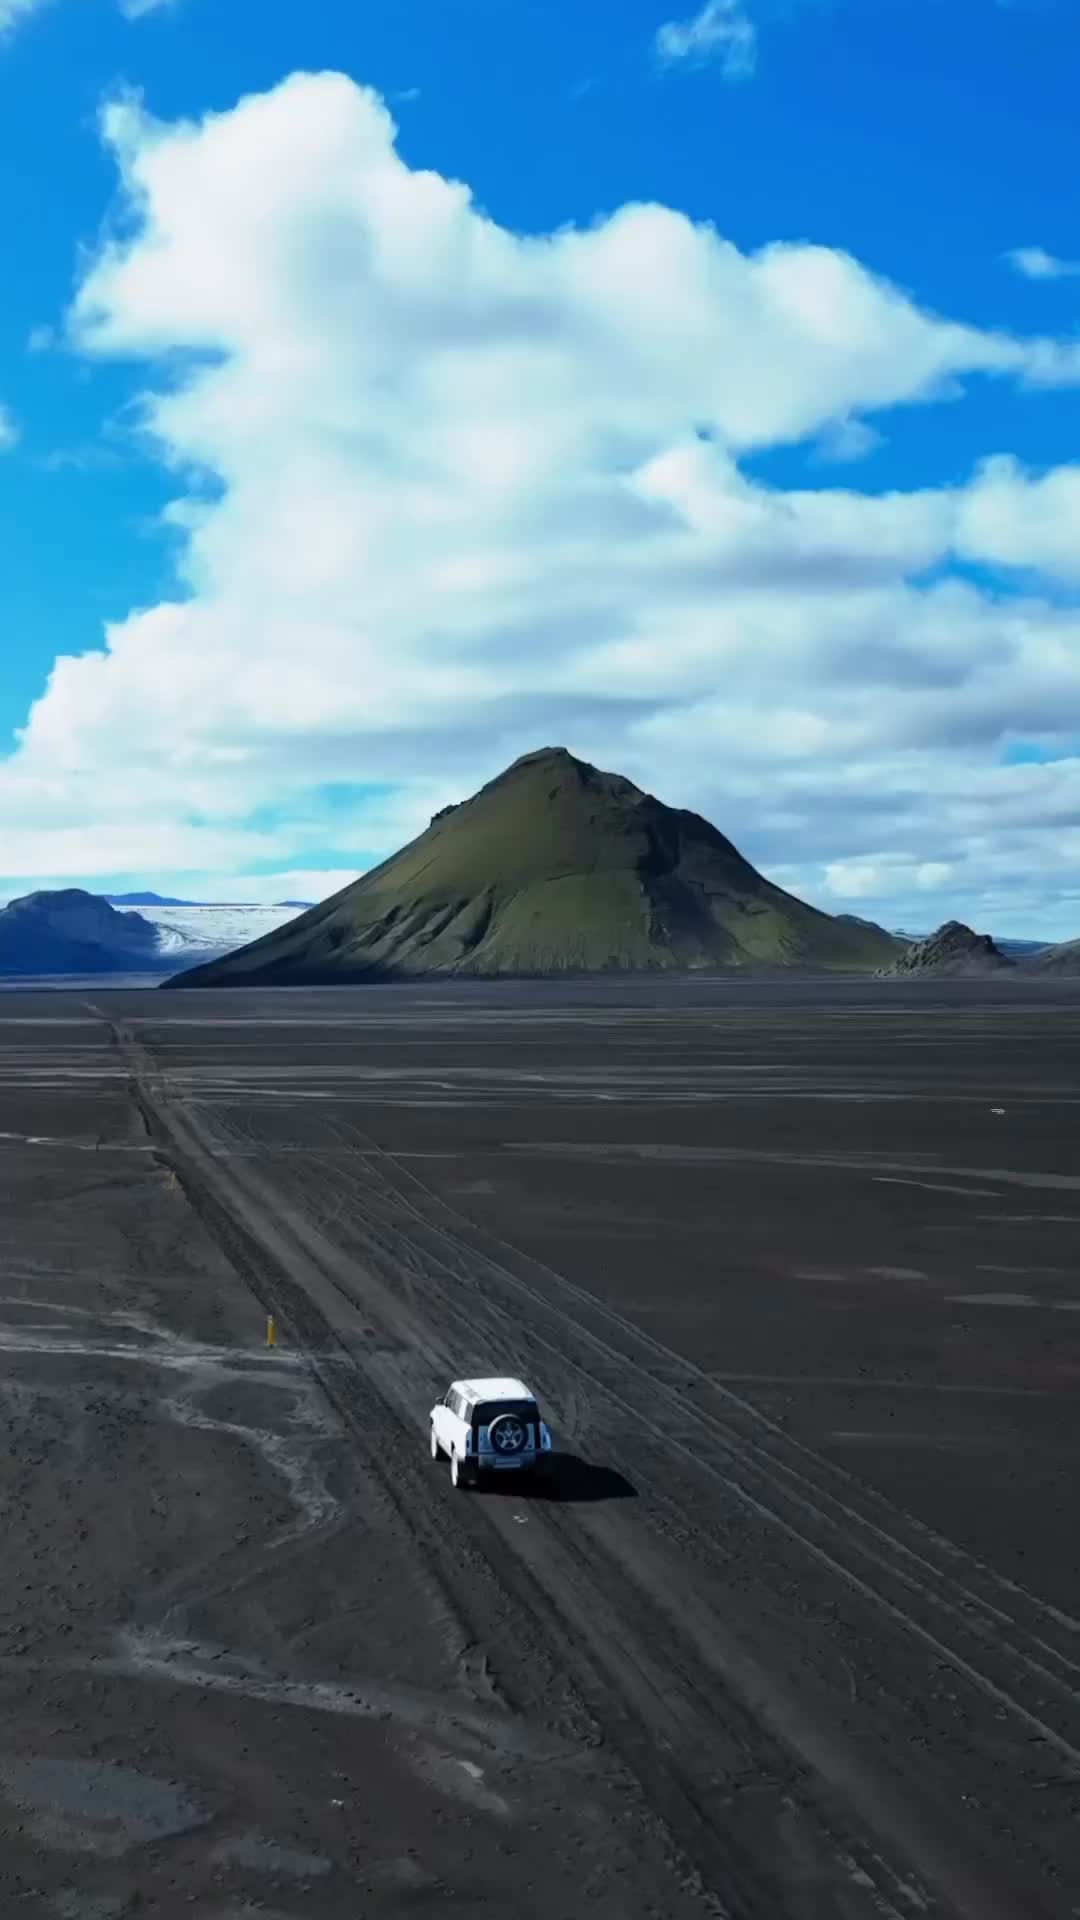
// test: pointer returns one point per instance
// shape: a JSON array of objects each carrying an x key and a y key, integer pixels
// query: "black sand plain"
[{"x": 794, "y": 1633}]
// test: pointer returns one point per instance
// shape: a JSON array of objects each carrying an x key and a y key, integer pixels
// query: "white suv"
[{"x": 489, "y": 1426}]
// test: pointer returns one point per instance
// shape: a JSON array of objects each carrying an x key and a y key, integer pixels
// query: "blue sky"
[{"x": 881, "y": 707}]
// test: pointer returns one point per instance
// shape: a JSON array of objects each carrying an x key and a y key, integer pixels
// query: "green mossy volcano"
[{"x": 553, "y": 868}]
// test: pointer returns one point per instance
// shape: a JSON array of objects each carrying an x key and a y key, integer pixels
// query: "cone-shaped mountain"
[{"x": 552, "y": 868}]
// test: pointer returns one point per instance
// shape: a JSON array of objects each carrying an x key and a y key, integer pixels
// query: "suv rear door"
[{"x": 486, "y": 1411}]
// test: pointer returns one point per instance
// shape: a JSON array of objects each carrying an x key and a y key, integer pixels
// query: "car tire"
[
  {"x": 436, "y": 1450},
  {"x": 507, "y": 1423}
]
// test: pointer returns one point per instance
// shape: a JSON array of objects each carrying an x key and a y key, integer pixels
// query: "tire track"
[
  {"x": 682, "y": 1744},
  {"x": 753, "y": 1435},
  {"x": 964, "y": 1633}
]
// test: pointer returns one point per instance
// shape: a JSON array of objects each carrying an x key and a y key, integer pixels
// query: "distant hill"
[
  {"x": 553, "y": 868},
  {"x": 953, "y": 949},
  {"x": 144, "y": 900},
  {"x": 166, "y": 900},
  {"x": 1063, "y": 958},
  {"x": 889, "y": 933},
  {"x": 70, "y": 931}
]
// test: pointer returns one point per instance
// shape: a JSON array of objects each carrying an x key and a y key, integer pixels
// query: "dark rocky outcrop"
[{"x": 953, "y": 949}]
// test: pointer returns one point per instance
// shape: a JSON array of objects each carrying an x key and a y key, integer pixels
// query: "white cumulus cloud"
[
  {"x": 1011, "y": 518},
  {"x": 723, "y": 31},
  {"x": 447, "y": 492},
  {"x": 14, "y": 11},
  {"x": 1034, "y": 263}
]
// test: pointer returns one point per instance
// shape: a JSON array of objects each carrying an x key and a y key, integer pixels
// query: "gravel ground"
[{"x": 796, "y": 1630}]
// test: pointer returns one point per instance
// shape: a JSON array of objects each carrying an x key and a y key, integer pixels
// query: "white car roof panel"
[{"x": 499, "y": 1387}]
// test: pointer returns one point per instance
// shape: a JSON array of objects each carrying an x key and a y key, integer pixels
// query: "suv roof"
[{"x": 499, "y": 1387}]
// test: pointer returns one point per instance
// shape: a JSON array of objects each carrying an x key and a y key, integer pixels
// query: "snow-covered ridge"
[{"x": 197, "y": 932}]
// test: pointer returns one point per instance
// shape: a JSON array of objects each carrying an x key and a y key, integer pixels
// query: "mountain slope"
[
  {"x": 1063, "y": 958},
  {"x": 894, "y": 933},
  {"x": 552, "y": 868},
  {"x": 70, "y": 931},
  {"x": 953, "y": 949}
]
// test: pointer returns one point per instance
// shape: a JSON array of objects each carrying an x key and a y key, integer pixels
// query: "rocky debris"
[{"x": 953, "y": 949}]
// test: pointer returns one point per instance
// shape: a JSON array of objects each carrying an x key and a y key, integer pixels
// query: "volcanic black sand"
[{"x": 795, "y": 1634}]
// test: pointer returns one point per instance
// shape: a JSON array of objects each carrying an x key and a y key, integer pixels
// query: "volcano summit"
[{"x": 553, "y": 868}]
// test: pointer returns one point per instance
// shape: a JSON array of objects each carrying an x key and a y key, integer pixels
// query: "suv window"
[{"x": 489, "y": 1410}]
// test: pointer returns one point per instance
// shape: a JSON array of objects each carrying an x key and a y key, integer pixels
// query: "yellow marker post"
[{"x": 271, "y": 1330}]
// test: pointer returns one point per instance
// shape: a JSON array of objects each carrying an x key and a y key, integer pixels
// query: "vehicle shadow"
[{"x": 567, "y": 1479}]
